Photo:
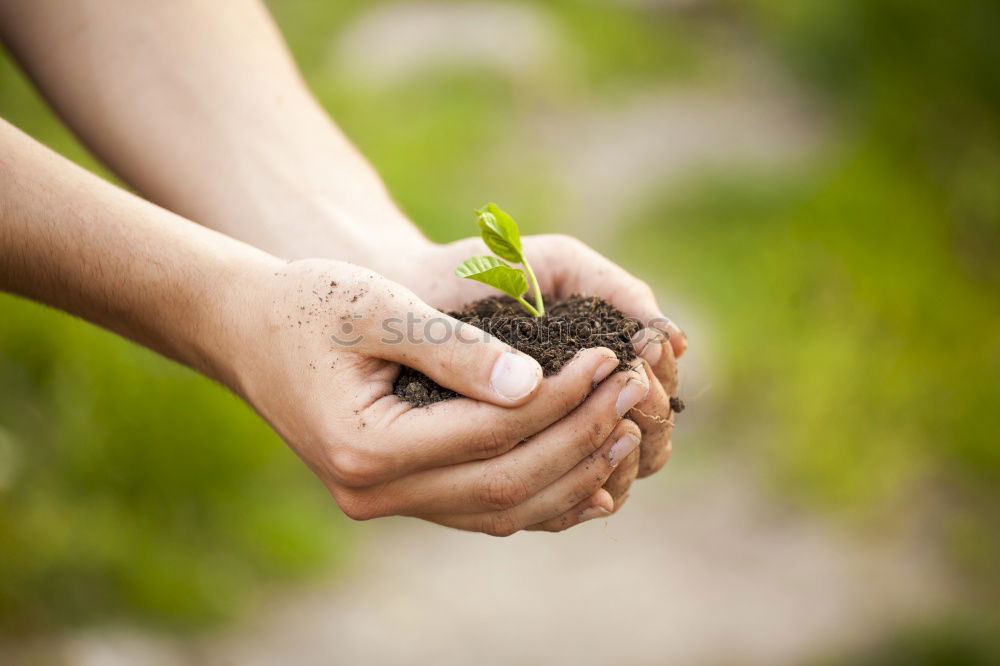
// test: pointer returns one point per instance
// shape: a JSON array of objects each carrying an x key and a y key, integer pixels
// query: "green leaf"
[
  {"x": 495, "y": 272},
  {"x": 500, "y": 232}
]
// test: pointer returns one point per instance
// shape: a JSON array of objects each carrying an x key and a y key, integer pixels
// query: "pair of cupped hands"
[{"x": 518, "y": 452}]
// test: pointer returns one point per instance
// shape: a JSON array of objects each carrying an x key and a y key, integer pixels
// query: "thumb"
[{"x": 464, "y": 358}]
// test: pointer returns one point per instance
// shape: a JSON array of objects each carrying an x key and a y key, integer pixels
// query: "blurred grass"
[
  {"x": 852, "y": 304},
  {"x": 134, "y": 487}
]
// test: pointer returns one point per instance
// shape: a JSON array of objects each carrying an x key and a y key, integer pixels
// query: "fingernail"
[
  {"x": 515, "y": 376},
  {"x": 632, "y": 393},
  {"x": 593, "y": 512},
  {"x": 620, "y": 450},
  {"x": 604, "y": 369}
]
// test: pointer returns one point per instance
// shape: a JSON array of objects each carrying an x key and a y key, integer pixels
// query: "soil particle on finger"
[{"x": 570, "y": 325}]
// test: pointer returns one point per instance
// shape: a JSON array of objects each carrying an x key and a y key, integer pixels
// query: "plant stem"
[
  {"x": 539, "y": 308},
  {"x": 527, "y": 306}
]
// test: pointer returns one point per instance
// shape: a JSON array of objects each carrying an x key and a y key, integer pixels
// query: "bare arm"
[
  {"x": 75, "y": 242},
  {"x": 199, "y": 107}
]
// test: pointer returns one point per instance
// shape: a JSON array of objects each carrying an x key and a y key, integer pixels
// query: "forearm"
[
  {"x": 199, "y": 106},
  {"x": 77, "y": 243}
]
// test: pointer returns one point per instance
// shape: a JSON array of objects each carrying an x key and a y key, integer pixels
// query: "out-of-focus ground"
[
  {"x": 700, "y": 567},
  {"x": 708, "y": 563}
]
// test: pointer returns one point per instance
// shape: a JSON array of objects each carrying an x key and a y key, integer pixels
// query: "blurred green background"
[{"x": 838, "y": 259}]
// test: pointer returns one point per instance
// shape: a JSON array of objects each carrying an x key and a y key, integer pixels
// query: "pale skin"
[{"x": 199, "y": 107}]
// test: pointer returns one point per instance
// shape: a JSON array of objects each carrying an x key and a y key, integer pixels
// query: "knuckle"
[
  {"x": 500, "y": 524},
  {"x": 496, "y": 441},
  {"x": 590, "y": 436},
  {"x": 357, "y": 507},
  {"x": 355, "y": 468},
  {"x": 501, "y": 489},
  {"x": 642, "y": 290},
  {"x": 379, "y": 299}
]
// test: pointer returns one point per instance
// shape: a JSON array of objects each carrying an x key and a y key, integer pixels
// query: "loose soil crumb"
[{"x": 578, "y": 322}]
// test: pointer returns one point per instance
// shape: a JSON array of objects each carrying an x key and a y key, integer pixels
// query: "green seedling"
[{"x": 501, "y": 235}]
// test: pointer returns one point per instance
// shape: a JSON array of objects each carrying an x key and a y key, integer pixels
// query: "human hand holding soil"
[
  {"x": 317, "y": 359},
  {"x": 571, "y": 267}
]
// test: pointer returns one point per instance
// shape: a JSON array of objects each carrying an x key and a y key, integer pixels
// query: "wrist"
[
  {"x": 229, "y": 313},
  {"x": 315, "y": 196}
]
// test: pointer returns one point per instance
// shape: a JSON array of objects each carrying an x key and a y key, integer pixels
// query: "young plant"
[{"x": 501, "y": 235}]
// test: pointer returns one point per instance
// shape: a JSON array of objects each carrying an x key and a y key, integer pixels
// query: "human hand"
[
  {"x": 315, "y": 347},
  {"x": 301, "y": 190},
  {"x": 565, "y": 266}
]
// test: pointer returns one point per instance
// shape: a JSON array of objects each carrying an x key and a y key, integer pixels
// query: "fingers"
[
  {"x": 515, "y": 477},
  {"x": 460, "y": 430},
  {"x": 558, "y": 498},
  {"x": 655, "y": 420},
  {"x": 595, "y": 506},
  {"x": 616, "y": 487},
  {"x": 460, "y": 357}
]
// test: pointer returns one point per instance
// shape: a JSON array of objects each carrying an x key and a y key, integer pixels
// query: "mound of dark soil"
[{"x": 578, "y": 322}]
